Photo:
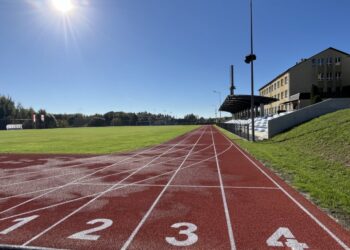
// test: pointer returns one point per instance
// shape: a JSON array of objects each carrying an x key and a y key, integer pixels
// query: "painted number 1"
[
  {"x": 21, "y": 222},
  {"x": 189, "y": 232}
]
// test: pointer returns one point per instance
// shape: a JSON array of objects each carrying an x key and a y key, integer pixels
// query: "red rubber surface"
[{"x": 201, "y": 179}]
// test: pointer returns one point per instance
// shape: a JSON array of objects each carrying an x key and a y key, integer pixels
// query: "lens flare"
[{"x": 64, "y": 6}]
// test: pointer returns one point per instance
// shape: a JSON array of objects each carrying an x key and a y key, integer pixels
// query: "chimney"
[{"x": 232, "y": 88}]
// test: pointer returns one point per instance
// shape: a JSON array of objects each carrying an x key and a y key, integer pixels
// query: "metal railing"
[{"x": 241, "y": 130}]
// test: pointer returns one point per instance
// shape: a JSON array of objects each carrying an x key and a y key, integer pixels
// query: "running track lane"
[{"x": 212, "y": 195}]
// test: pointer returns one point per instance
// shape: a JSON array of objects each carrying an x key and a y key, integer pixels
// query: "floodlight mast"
[
  {"x": 232, "y": 87},
  {"x": 219, "y": 93},
  {"x": 250, "y": 59}
]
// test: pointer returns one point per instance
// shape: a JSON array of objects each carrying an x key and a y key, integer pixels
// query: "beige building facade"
[{"x": 327, "y": 73}]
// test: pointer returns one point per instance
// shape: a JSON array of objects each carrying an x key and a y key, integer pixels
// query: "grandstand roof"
[{"x": 238, "y": 103}]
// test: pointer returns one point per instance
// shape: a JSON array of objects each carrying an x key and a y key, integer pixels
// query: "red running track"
[{"x": 198, "y": 191}]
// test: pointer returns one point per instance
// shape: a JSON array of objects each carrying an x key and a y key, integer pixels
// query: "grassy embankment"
[
  {"x": 314, "y": 158},
  {"x": 87, "y": 140}
]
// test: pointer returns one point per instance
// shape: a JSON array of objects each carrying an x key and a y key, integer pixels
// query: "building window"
[
  {"x": 278, "y": 96},
  {"x": 320, "y": 76},
  {"x": 278, "y": 84},
  {"x": 329, "y": 76},
  {"x": 329, "y": 60},
  {"x": 286, "y": 94},
  {"x": 320, "y": 61},
  {"x": 286, "y": 80},
  {"x": 274, "y": 86},
  {"x": 338, "y": 75},
  {"x": 282, "y": 82},
  {"x": 337, "y": 60},
  {"x": 313, "y": 62},
  {"x": 281, "y": 95}
]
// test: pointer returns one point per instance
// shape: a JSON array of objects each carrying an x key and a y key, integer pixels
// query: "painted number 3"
[{"x": 189, "y": 232}]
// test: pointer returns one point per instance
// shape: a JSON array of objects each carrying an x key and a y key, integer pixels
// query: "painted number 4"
[
  {"x": 291, "y": 242},
  {"x": 189, "y": 232}
]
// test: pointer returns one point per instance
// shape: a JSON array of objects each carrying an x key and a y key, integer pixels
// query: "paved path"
[{"x": 198, "y": 191}]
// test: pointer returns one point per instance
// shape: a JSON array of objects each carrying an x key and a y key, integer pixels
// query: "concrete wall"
[{"x": 280, "y": 124}]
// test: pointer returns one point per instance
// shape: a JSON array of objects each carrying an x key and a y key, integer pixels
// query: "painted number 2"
[
  {"x": 86, "y": 234},
  {"x": 189, "y": 232}
]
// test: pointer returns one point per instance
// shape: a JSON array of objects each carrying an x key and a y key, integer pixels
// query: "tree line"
[{"x": 12, "y": 113}]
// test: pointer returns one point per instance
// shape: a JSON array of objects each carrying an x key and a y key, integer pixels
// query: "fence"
[{"x": 241, "y": 130}]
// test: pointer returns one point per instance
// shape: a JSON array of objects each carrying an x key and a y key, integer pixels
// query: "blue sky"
[{"x": 155, "y": 55}]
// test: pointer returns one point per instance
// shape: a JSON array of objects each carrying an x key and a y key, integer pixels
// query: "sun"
[{"x": 64, "y": 6}]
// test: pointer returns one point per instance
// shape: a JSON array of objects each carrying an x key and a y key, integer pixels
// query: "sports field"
[
  {"x": 196, "y": 191},
  {"x": 102, "y": 140}
]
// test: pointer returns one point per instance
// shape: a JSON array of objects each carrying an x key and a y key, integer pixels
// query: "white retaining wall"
[{"x": 280, "y": 124}]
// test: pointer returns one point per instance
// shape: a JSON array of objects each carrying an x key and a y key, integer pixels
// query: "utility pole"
[{"x": 250, "y": 59}]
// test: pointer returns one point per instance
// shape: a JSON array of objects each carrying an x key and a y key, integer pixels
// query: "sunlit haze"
[{"x": 63, "y": 6}]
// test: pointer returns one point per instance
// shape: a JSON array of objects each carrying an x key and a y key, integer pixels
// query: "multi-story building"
[{"x": 326, "y": 74}]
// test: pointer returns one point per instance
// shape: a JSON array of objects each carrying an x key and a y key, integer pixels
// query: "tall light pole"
[
  {"x": 215, "y": 109},
  {"x": 219, "y": 93},
  {"x": 250, "y": 59}
]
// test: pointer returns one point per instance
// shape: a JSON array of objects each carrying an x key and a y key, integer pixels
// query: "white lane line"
[
  {"x": 136, "y": 230},
  {"x": 16, "y": 247},
  {"x": 46, "y": 177},
  {"x": 23, "y": 194},
  {"x": 87, "y": 181},
  {"x": 179, "y": 186},
  {"x": 227, "y": 213},
  {"x": 81, "y": 178},
  {"x": 329, "y": 232},
  {"x": 41, "y": 168},
  {"x": 72, "y": 172},
  {"x": 155, "y": 164},
  {"x": 114, "y": 189},
  {"x": 98, "y": 196},
  {"x": 62, "y": 165}
]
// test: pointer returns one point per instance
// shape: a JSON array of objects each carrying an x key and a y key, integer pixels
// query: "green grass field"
[
  {"x": 314, "y": 158},
  {"x": 87, "y": 140}
]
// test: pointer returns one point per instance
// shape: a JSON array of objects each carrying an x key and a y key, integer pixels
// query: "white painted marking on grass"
[
  {"x": 95, "y": 198},
  {"x": 329, "y": 232},
  {"x": 227, "y": 213},
  {"x": 116, "y": 188},
  {"x": 136, "y": 230}
]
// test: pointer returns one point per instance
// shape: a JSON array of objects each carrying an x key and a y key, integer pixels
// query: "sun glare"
[{"x": 64, "y": 6}]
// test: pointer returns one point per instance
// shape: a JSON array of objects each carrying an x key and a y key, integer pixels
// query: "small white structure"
[{"x": 14, "y": 126}]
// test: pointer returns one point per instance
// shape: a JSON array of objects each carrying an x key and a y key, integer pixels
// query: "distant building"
[{"x": 326, "y": 74}]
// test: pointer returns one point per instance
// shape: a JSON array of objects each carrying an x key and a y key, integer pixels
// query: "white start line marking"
[{"x": 291, "y": 242}]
